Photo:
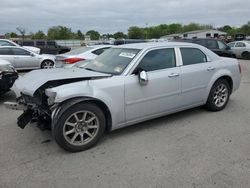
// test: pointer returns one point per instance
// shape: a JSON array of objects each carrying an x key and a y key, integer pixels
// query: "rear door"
[
  {"x": 6, "y": 54},
  {"x": 196, "y": 73}
]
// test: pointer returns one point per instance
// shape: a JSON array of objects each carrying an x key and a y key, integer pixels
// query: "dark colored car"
[
  {"x": 217, "y": 46},
  {"x": 128, "y": 41},
  {"x": 47, "y": 47},
  {"x": 8, "y": 76}
]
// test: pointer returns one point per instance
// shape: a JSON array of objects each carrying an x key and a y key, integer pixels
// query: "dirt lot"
[{"x": 194, "y": 148}]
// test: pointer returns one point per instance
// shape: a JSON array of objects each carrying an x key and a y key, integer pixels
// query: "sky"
[{"x": 110, "y": 16}]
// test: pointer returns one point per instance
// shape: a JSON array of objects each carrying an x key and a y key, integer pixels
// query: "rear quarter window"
[{"x": 192, "y": 56}]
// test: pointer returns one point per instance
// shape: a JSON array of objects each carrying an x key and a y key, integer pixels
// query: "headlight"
[{"x": 51, "y": 96}]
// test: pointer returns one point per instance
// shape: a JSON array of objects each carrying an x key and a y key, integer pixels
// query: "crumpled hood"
[{"x": 31, "y": 81}]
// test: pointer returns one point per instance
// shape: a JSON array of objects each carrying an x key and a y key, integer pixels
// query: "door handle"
[
  {"x": 172, "y": 75},
  {"x": 210, "y": 68}
]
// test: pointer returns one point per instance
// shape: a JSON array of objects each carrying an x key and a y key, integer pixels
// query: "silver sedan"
[
  {"x": 123, "y": 86},
  {"x": 22, "y": 58},
  {"x": 241, "y": 49}
]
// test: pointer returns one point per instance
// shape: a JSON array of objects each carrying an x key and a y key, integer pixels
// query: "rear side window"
[
  {"x": 212, "y": 44},
  {"x": 5, "y": 51},
  {"x": 6, "y": 43},
  {"x": 192, "y": 56},
  {"x": 158, "y": 59},
  {"x": 240, "y": 44},
  {"x": 231, "y": 44},
  {"x": 28, "y": 43},
  {"x": 40, "y": 43}
]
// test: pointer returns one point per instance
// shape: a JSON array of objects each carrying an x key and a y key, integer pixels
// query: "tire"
[
  {"x": 80, "y": 127},
  {"x": 246, "y": 55},
  {"x": 218, "y": 96},
  {"x": 47, "y": 64}
]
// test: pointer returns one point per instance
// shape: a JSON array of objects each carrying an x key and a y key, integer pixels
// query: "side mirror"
[
  {"x": 143, "y": 78},
  {"x": 32, "y": 55},
  {"x": 228, "y": 48}
]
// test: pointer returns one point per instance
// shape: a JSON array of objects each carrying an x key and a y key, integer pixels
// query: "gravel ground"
[{"x": 195, "y": 148}]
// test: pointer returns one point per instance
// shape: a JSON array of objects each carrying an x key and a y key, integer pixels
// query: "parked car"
[
  {"x": 68, "y": 60},
  {"x": 125, "y": 85},
  {"x": 5, "y": 42},
  {"x": 216, "y": 45},
  {"x": 128, "y": 41},
  {"x": 8, "y": 75},
  {"x": 22, "y": 58},
  {"x": 47, "y": 47},
  {"x": 241, "y": 49}
]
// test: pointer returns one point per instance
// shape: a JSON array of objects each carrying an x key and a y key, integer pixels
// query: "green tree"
[
  {"x": 245, "y": 29},
  {"x": 119, "y": 35},
  {"x": 60, "y": 32},
  {"x": 94, "y": 35},
  {"x": 175, "y": 28},
  {"x": 11, "y": 35},
  {"x": 39, "y": 35},
  {"x": 79, "y": 35},
  {"x": 191, "y": 27},
  {"x": 135, "y": 32}
]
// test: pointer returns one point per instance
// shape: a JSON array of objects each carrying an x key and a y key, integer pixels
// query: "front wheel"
[
  {"x": 80, "y": 127},
  {"x": 218, "y": 96}
]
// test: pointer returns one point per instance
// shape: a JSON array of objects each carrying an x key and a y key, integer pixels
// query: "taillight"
[
  {"x": 72, "y": 60},
  {"x": 240, "y": 68}
]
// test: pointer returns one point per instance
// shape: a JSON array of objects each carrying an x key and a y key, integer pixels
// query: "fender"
[{"x": 220, "y": 73}]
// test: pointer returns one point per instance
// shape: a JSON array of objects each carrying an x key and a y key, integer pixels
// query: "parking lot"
[{"x": 195, "y": 148}]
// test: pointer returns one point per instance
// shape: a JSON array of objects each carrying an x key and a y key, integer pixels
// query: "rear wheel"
[
  {"x": 47, "y": 64},
  {"x": 80, "y": 127},
  {"x": 246, "y": 55},
  {"x": 219, "y": 96}
]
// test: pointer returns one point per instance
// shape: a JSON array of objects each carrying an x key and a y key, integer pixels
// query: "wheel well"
[
  {"x": 245, "y": 52},
  {"x": 229, "y": 80},
  {"x": 106, "y": 111},
  {"x": 47, "y": 60}
]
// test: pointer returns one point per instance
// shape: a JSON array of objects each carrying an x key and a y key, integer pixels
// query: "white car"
[
  {"x": 69, "y": 59},
  {"x": 22, "y": 58},
  {"x": 5, "y": 42},
  {"x": 241, "y": 49}
]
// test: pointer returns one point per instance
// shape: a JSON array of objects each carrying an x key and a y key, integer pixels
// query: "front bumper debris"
[{"x": 15, "y": 106}]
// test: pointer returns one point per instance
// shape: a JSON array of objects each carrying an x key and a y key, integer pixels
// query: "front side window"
[
  {"x": 158, "y": 59},
  {"x": 28, "y": 43},
  {"x": 18, "y": 51},
  {"x": 112, "y": 61},
  {"x": 192, "y": 56}
]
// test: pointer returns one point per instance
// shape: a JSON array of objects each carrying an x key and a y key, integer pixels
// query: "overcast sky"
[{"x": 109, "y": 16}]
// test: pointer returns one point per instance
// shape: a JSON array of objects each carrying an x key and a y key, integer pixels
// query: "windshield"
[
  {"x": 112, "y": 61},
  {"x": 79, "y": 50}
]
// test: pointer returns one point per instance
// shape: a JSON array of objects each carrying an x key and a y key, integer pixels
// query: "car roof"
[
  {"x": 149, "y": 45},
  {"x": 100, "y": 46}
]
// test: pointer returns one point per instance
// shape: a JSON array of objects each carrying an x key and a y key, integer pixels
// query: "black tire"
[
  {"x": 246, "y": 55},
  {"x": 59, "y": 127},
  {"x": 45, "y": 64},
  {"x": 212, "y": 101}
]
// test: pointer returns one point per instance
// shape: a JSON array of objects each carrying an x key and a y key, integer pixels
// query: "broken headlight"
[{"x": 51, "y": 96}]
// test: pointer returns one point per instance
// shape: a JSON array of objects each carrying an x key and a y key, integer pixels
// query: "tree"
[
  {"x": 11, "y": 35},
  {"x": 39, "y": 35},
  {"x": 120, "y": 35},
  {"x": 191, "y": 27},
  {"x": 175, "y": 28},
  {"x": 135, "y": 32},
  {"x": 79, "y": 35},
  {"x": 60, "y": 33},
  {"x": 94, "y": 35},
  {"x": 245, "y": 29},
  {"x": 22, "y": 31}
]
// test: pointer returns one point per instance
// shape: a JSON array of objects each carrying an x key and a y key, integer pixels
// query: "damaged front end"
[{"x": 35, "y": 110}]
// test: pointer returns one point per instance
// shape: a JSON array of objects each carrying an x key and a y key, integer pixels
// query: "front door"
[{"x": 161, "y": 94}]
